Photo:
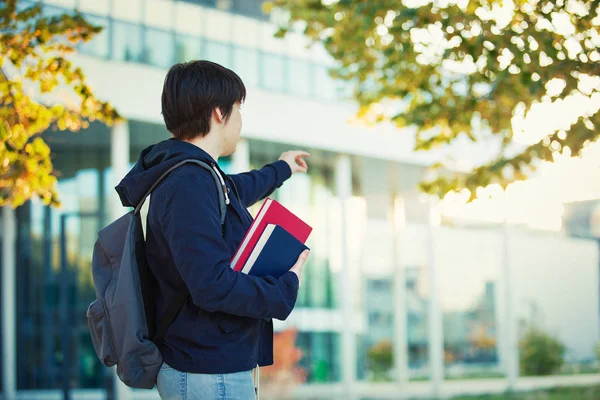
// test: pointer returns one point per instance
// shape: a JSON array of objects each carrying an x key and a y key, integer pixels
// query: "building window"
[
  {"x": 82, "y": 162},
  {"x": 159, "y": 49},
  {"x": 187, "y": 48},
  {"x": 312, "y": 198},
  {"x": 246, "y": 65},
  {"x": 127, "y": 42},
  {"x": 219, "y": 53},
  {"x": 324, "y": 85},
  {"x": 52, "y": 11},
  {"x": 274, "y": 72},
  {"x": 99, "y": 45},
  {"x": 251, "y": 8},
  {"x": 206, "y": 3},
  {"x": 380, "y": 319},
  {"x": 300, "y": 82},
  {"x": 381, "y": 285},
  {"x": 24, "y": 4}
]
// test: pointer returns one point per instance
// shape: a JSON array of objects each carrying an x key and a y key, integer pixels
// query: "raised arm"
[{"x": 256, "y": 185}]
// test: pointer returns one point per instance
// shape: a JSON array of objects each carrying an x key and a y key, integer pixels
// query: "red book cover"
[{"x": 271, "y": 212}]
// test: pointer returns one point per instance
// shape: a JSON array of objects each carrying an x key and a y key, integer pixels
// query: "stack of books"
[{"x": 273, "y": 243}]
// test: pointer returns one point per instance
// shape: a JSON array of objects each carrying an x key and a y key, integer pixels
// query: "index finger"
[{"x": 301, "y": 153}]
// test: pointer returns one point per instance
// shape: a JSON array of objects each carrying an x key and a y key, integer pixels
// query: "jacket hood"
[{"x": 153, "y": 162}]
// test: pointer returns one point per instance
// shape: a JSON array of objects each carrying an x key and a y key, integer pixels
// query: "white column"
[
  {"x": 400, "y": 322},
  {"x": 436, "y": 332},
  {"x": 241, "y": 157},
  {"x": 119, "y": 161},
  {"x": 343, "y": 187},
  {"x": 510, "y": 343},
  {"x": 9, "y": 304}
]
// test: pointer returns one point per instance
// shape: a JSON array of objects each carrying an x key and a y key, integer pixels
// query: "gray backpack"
[{"x": 122, "y": 318}]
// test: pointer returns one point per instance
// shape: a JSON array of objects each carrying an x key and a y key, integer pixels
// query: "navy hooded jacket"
[{"x": 225, "y": 326}]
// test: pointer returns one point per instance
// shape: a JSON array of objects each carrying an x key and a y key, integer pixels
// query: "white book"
[{"x": 258, "y": 248}]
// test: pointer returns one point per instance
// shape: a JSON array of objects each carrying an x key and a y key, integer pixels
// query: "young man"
[{"x": 224, "y": 330}]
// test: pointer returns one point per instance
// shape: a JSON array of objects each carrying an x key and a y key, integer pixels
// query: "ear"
[{"x": 218, "y": 114}]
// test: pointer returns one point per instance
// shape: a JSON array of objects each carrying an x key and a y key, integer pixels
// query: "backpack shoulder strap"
[{"x": 221, "y": 188}]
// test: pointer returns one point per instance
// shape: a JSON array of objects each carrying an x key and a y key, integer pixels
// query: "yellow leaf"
[{"x": 267, "y": 7}]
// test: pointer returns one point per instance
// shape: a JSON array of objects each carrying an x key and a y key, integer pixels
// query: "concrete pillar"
[
  {"x": 436, "y": 332},
  {"x": 119, "y": 161},
  {"x": 9, "y": 304},
  {"x": 400, "y": 339},
  {"x": 510, "y": 343},
  {"x": 343, "y": 188}
]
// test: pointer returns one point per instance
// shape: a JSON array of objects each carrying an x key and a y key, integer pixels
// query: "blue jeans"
[{"x": 176, "y": 385}]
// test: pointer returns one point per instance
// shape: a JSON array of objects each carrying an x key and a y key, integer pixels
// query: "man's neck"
[{"x": 209, "y": 144}]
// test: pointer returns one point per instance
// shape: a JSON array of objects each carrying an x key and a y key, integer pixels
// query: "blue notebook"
[{"x": 274, "y": 254}]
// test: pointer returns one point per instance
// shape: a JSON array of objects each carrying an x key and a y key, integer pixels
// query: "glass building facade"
[
  {"x": 53, "y": 257},
  {"x": 470, "y": 333},
  {"x": 129, "y": 42},
  {"x": 311, "y": 197}
]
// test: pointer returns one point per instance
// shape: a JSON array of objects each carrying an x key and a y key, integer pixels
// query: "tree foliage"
[
  {"x": 34, "y": 74},
  {"x": 381, "y": 359},
  {"x": 540, "y": 353},
  {"x": 455, "y": 68}
]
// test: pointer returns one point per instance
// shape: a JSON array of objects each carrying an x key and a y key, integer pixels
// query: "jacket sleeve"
[
  {"x": 190, "y": 221},
  {"x": 258, "y": 184}
]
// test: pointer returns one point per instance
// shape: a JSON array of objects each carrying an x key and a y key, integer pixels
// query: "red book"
[{"x": 271, "y": 212}]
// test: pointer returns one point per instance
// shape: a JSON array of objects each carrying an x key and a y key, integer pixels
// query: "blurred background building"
[{"x": 397, "y": 289}]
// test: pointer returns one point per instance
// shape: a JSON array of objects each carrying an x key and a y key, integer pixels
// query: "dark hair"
[{"x": 191, "y": 92}]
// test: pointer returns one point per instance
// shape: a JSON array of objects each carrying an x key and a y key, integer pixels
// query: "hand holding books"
[
  {"x": 297, "y": 268},
  {"x": 274, "y": 244}
]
